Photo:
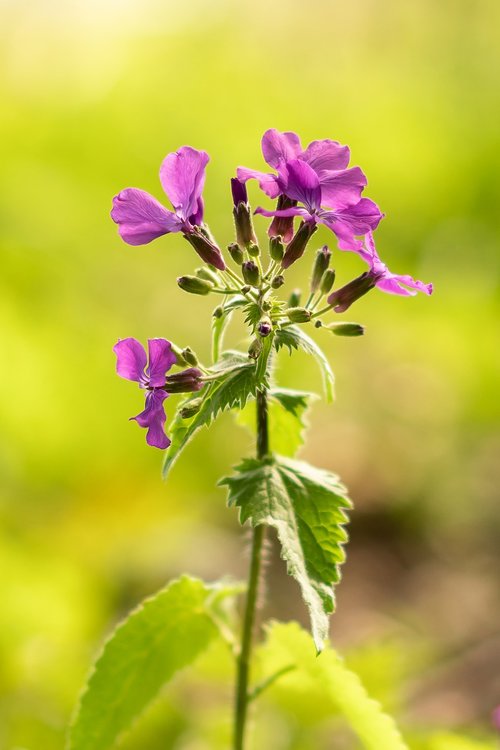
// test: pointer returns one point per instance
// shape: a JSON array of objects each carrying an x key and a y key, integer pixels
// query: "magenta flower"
[
  {"x": 141, "y": 218},
  {"x": 340, "y": 187},
  {"x": 378, "y": 275},
  {"x": 302, "y": 184},
  {"x": 132, "y": 364}
]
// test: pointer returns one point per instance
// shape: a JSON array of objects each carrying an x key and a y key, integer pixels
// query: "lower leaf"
[{"x": 166, "y": 633}]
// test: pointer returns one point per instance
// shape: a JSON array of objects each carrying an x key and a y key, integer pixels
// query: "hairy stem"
[{"x": 243, "y": 665}]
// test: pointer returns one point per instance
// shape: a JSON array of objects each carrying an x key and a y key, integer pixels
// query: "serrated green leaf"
[
  {"x": 166, "y": 633},
  {"x": 307, "y": 508},
  {"x": 337, "y": 687},
  {"x": 253, "y": 313},
  {"x": 287, "y": 409},
  {"x": 239, "y": 379},
  {"x": 294, "y": 337}
]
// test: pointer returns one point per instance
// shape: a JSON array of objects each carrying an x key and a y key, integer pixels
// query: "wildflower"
[
  {"x": 132, "y": 364},
  {"x": 378, "y": 275},
  {"x": 329, "y": 159},
  {"x": 302, "y": 184},
  {"x": 141, "y": 218}
]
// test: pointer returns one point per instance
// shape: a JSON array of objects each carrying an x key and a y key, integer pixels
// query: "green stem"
[{"x": 243, "y": 666}]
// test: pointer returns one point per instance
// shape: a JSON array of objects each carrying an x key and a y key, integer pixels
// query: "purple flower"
[
  {"x": 132, "y": 364},
  {"x": 141, "y": 218},
  {"x": 377, "y": 275},
  {"x": 302, "y": 184},
  {"x": 340, "y": 187}
]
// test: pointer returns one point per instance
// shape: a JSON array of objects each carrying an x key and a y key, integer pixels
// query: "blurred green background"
[{"x": 93, "y": 95}]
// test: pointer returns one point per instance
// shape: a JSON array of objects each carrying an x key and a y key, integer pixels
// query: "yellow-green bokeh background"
[{"x": 93, "y": 95}]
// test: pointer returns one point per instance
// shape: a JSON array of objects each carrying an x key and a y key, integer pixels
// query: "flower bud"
[
  {"x": 276, "y": 249},
  {"x": 298, "y": 314},
  {"x": 194, "y": 285},
  {"x": 189, "y": 356},
  {"x": 343, "y": 298},
  {"x": 253, "y": 250},
  {"x": 191, "y": 408},
  {"x": 250, "y": 273},
  {"x": 255, "y": 348},
  {"x": 208, "y": 275},
  {"x": 218, "y": 312},
  {"x": 236, "y": 253},
  {"x": 241, "y": 213},
  {"x": 294, "y": 298},
  {"x": 179, "y": 359},
  {"x": 264, "y": 327},
  {"x": 297, "y": 245},
  {"x": 346, "y": 329},
  {"x": 278, "y": 281},
  {"x": 321, "y": 263},
  {"x": 266, "y": 305},
  {"x": 282, "y": 226},
  {"x": 186, "y": 381},
  {"x": 206, "y": 248},
  {"x": 327, "y": 281},
  {"x": 245, "y": 289}
]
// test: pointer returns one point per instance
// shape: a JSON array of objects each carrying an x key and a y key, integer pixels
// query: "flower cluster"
[{"x": 316, "y": 186}]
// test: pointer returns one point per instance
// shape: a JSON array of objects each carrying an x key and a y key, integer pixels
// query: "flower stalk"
[{"x": 243, "y": 696}]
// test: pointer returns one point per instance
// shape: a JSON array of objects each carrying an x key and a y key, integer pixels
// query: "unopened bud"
[
  {"x": 282, "y": 226},
  {"x": 179, "y": 359},
  {"x": 253, "y": 250},
  {"x": 276, "y": 249},
  {"x": 239, "y": 191},
  {"x": 346, "y": 329},
  {"x": 243, "y": 224},
  {"x": 298, "y": 314},
  {"x": 343, "y": 298},
  {"x": 186, "y": 381},
  {"x": 278, "y": 281},
  {"x": 321, "y": 263},
  {"x": 208, "y": 275},
  {"x": 297, "y": 245},
  {"x": 255, "y": 348},
  {"x": 245, "y": 289},
  {"x": 191, "y": 408},
  {"x": 327, "y": 281},
  {"x": 190, "y": 356},
  {"x": 294, "y": 298},
  {"x": 206, "y": 248},
  {"x": 266, "y": 305},
  {"x": 250, "y": 273},
  {"x": 194, "y": 285},
  {"x": 265, "y": 327},
  {"x": 218, "y": 312},
  {"x": 236, "y": 253}
]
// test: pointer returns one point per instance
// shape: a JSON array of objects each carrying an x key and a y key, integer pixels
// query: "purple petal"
[
  {"x": 300, "y": 182},
  {"x": 343, "y": 232},
  {"x": 130, "y": 359},
  {"x": 161, "y": 359},
  {"x": 279, "y": 148},
  {"x": 343, "y": 188},
  {"x": 284, "y": 212},
  {"x": 364, "y": 216},
  {"x": 326, "y": 155},
  {"x": 267, "y": 182},
  {"x": 141, "y": 218},
  {"x": 238, "y": 191},
  {"x": 182, "y": 175},
  {"x": 196, "y": 219},
  {"x": 153, "y": 418},
  {"x": 392, "y": 284}
]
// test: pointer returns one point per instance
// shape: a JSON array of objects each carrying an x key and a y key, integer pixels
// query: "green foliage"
[
  {"x": 294, "y": 337},
  {"x": 239, "y": 379},
  {"x": 166, "y": 633},
  {"x": 287, "y": 410},
  {"x": 221, "y": 321},
  {"x": 331, "y": 684},
  {"x": 307, "y": 508}
]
